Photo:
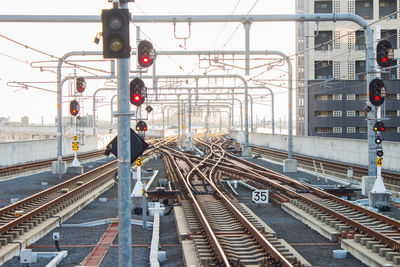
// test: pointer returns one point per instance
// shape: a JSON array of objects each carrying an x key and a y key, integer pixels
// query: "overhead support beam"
[{"x": 235, "y": 18}]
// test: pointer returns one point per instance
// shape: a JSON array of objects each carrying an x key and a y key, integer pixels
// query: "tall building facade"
[{"x": 331, "y": 70}]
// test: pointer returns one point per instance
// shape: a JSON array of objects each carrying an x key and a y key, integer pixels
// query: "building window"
[
  {"x": 321, "y": 113},
  {"x": 323, "y": 41},
  {"x": 323, "y": 70},
  {"x": 351, "y": 113},
  {"x": 323, "y": 130},
  {"x": 361, "y": 113},
  {"x": 398, "y": 113},
  {"x": 337, "y": 97},
  {"x": 351, "y": 129},
  {"x": 362, "y": 97},
  {"x": 363, "y": 130},
  {"x": 321, "y": 97},
  {"x": 337, "y": 129},
  {"x": 360, "y": 40},
  {"x": 398, "y": 96},
  {"x": 398, "y": 129},
  {"x": 390, "y": 35},
  {"x": 337, "y": 113},
  {"x": 387, "y": 7},
  {"x": 360, "y": 70},
  {"x": 351, "y": 96},
  {"x": 323, "y": 6},
  {"x": 364, "y": 8}
]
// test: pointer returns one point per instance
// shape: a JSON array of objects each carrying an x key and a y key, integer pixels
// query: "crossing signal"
[
  {"x": 141, "y": 126},
  {"x": 115, "y": 24},
  {"x": 379, "y": 126},
  {"x": 377, "y": 92},
  {"x": 382, "y": 54},
  {"x": 145, "y": 54},
  {"x": 74, "y": 107},
  {"x": 137, "y": 92},
  {"x": 80, "y": 84}
]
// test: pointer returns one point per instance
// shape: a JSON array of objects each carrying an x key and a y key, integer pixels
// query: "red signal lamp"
[
  {"x": 384, "y": 59},
  {"x": 144, "y": 128},
  {"x": 136, "y": 98},
  {"x": 146, "y": 60}
]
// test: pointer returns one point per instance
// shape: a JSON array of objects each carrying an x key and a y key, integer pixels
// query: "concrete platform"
[
  {"x": 28, "y": 238},
  {"x": 189, "y": 254},
  {"x": 364, "y": 254},
  {"x": 308, "y": 219},
  {"x": 76, "y": 170},
  {"x": 181, "y": 224}
]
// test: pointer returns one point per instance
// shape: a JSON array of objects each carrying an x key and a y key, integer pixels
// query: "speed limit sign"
[{"x": 260, "y": 196}]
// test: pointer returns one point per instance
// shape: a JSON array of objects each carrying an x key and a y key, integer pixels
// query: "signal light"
[
  {"x": 80, "y": 85},
  {"x": 146, "y": 54},
  {"x": 141, "y": 126},
  {"x": 378, "y": 140},
  {"x": 382, "y": 54},
  {"x": 379, "y": 152},
  {"x": 377, "y": 92},
  {"x": 115, "y": 24},
  {"x": 379, "y": 126},
  {"x": 74, "y": 107},
  {"x": 137, "y": 92}
]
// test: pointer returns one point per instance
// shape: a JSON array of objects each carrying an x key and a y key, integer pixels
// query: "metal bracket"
[
  {"x": 186, "y": 37},
  {"x": 116, "y": 114},
  {"x": 315, "y": 35}
]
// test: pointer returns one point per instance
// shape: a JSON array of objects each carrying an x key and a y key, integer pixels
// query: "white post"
[{"x": 75, "y": 162}]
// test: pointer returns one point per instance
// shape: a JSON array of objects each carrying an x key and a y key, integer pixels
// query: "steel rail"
[
  {"x": 207, "y": 227},
  {"x": 352, "y": 223},
  {"x": 30, "y": 215},
  {"x": 249, "y": 226},
  {"x": 361, "y": 171},
  {"x": 44, "y": 163},
  {"x": 88, "y": 182}
]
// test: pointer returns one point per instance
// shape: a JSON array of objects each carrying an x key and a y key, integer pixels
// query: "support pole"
[
  {"x": 247, "y": 24},
  {"x": 179, "y": 119},
  {"x": 190, "y": 120},
  {"x": 124, "y": 164}
]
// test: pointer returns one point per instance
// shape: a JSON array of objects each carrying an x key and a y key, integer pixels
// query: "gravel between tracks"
[
  {"x": 294, "y": 231},
  {"x": 80, "y": 241}
]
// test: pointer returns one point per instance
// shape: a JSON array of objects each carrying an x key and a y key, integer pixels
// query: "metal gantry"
[{"x": 123, "y": 89}]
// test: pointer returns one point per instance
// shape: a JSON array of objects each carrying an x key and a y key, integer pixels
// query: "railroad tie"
[
  {"x": 389, "y": 255},
  {"x": 376, "y": 247},
  {"x": 363, "y": 241},
  {"x": 370, "y": 243}
]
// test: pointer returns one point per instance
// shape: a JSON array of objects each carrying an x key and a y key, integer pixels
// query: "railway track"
[
  {"x": 38, "y": 165},
  {"x": 334, "y": 168},
  {"x": 222, "y": 234},
  {"x": 377, "y": 232},
  {"x": 29, "y": 219}
]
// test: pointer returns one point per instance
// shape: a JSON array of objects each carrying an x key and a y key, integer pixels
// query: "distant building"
[
  {"x": 331, "y": 87},
  {"x": 3, "y": 121},
  {"x": 25, "y": 121}
]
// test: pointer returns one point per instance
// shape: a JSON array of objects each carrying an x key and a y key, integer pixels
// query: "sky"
[{"x": 29, "y": 51}]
